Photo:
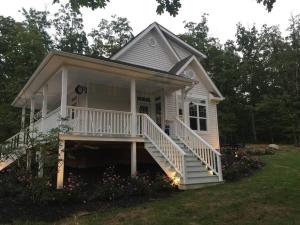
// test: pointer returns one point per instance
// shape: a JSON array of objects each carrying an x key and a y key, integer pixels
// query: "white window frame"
[{"x": 198, "y": 117}]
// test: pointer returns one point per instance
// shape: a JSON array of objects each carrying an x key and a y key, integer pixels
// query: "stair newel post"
[
  {"x": 220, "y": 174},
  {"x": 184, "y": 169}
]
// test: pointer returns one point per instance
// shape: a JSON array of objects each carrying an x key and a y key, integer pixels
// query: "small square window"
[{"x": 180, "y": 112}]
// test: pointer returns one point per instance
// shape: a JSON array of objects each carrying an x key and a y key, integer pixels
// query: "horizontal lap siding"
[
  {"x": 171, "y": 106},
  {"x": 212, "y": 135},
  {"x": 143, "y": 54},
  {"x": 108, "y": 97}
]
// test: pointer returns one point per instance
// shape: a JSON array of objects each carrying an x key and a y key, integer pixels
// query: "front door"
[
  {"x": 153, "y": 109},
  {"x": 158, "y": 111}
]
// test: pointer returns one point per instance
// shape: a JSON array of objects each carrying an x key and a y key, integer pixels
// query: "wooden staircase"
[
  {"x": 196, "y": 173},
  {"x": 13, "y": 148}
]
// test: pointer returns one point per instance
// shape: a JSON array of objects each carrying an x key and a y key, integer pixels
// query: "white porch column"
[
  {"x": 44, "y": 107},
  {"x": 32, "y": 110},
  {"x": 133, "y": 105},
  {"x": 60, "y": 165},
  {"x": 183, "y": 105},
  {"x": 64, "y": 93},
  {"x": 63, "y": 114},
  {"x": 31, "y": 121},
  {"x": 40, "y": 156},
  {"x": 133, "y": 159},
  {"x": 23, "y": 118}
]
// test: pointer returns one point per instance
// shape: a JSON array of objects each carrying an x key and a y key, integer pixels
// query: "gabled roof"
[
  {"x": 187, "y": 61},
  {"x": 164, "y": 33},
  {"x": 140, "y": 36},
  {"x": 179, "y": 41},
  {"x": 179, "y": 65}
]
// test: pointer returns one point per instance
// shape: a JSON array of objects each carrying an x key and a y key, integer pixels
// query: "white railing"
[
  {"x": 52, "y": 119},
  {"x": 13, "y": 148},
  {"x": 99, "y": 121},
  {"x": 167, "y": 147},
  {"x": 203, "y": 150}
]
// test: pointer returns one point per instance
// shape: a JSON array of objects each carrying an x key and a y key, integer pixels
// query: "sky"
[{"x": 222, "y": 19}]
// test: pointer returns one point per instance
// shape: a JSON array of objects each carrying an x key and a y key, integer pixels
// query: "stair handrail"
[
  {"x": 164, "y": 144},
  {"x": 17, "y": 140},
  {"x": 195, "y": 143}
]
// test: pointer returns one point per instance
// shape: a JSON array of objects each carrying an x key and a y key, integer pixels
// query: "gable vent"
[
  {"x": 189, "y": 73},
  {"x": 152, "y": 42}
]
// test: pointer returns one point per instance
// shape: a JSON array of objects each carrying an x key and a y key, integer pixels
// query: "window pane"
[
  {"x": 202, "y": 111},
  {"x": 203, "y": 125},
  {"x": 193, "y": 123},
  {"x": 193, "y": 110}
]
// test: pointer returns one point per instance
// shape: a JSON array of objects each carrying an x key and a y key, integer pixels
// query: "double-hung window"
[{"x": 198, "y": 116}]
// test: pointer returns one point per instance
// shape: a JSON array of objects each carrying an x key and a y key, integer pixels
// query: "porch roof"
[{"x": 55, "y": 60}]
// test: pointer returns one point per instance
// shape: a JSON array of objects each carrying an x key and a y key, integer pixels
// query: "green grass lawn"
[{"x": 272, "y": 196}]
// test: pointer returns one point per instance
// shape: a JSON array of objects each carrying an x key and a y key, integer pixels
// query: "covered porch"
[
  {"x": 100, "y": 100},
  {"x": 96, "y": 97}
]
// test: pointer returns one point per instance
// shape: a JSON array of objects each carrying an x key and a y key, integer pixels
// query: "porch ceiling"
[{"x": 84, "y": 69}]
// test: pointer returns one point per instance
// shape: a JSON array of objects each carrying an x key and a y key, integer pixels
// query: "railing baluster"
[{"x": 205, "y": 152}]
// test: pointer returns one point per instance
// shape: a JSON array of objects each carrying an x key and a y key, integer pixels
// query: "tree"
[
  {"x": 22, "y": 47},
  {"x": 267, "y": 3},
  {"x": 110, "y": 36},
  {"x": 70, "y": 35},
  {"x": 170, "y": 6}
]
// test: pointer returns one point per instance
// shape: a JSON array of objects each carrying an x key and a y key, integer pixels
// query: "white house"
[{"x": 153, "y": 91}]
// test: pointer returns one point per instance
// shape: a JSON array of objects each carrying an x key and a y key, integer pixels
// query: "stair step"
[
  {"x": 191, "y": 158},
  {"x": 194, "y": 163},
  {"x": 196, "y": 169},
  {"x": 198, "y": 174},
  {"x": 201, "y": 180},
  {"x": 197, "y": 186}
]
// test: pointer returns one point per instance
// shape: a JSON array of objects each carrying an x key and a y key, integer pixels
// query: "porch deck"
[{"x": 185, "y": 157}]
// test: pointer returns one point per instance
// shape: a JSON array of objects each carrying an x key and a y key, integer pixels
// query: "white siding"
[
  {"x": 170, "y": 106},
  {"x": 199, "y": 91},
  {"x": 157, "y": 57},
  {"x": 181, "y": 52},
  {"x": 107, "y": 97},
  {"x": 212, "y": 133}
]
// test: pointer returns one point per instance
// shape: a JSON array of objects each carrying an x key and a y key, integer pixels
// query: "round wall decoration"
[
  {"x": 189, "y": 73},
  {"x": 152, "y": 42}
]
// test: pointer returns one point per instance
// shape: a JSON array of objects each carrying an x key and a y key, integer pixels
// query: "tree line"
[{"x": 257, "y": 72}]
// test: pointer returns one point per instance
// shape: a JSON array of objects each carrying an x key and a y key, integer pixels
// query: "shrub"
[
  {"x": 41, "y": 192},
  {"x": 141, "y": 185},
  {"x": 113, "y": 187},
  {"x": 13, "y": 184},
  {"x": 259, "y": 151},
  {"x": 238, "y": 164},
  {"x": 162, "y": 184}
]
